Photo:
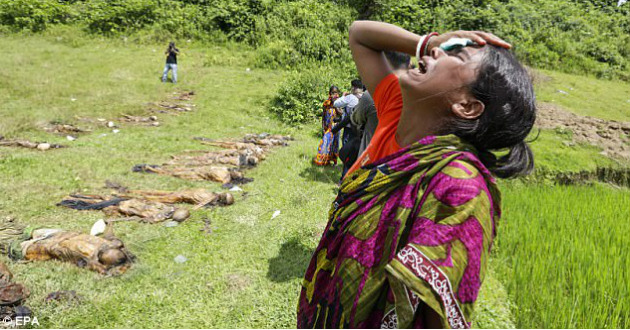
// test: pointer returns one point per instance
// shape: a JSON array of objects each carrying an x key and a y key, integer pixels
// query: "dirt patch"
[
  {"x": 68, "y": 297},
  {"x": 237, "y": 282},
  {"x": 612, "y": 136}
]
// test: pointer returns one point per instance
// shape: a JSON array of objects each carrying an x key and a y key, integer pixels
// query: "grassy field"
[
  {"x": 585, "y": 95},
  {"x": 554, "y": 155},
  {"x": 246, "y": 273},
  {"x": 563, "y": 255}
]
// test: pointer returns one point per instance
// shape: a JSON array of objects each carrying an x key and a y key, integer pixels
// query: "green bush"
[
  {"x": 277, "y": 54},
  {"x": 112, "y": 16},
  {"x": 300, "y": 97},
  {"x": 33, "y": 15},
  {"x": 290, "y": 34},
  {"x": 235, "y": 18},
  {"x": 185, "y": 21}
]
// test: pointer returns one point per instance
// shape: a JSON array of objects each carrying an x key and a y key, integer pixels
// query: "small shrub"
[
  {"x": 33, "y": 15},
  {"x": 300, "y": 96},
  {"x": 236, "y": 18},
  {"x": 112, "y": 16},
  {"x": 177, "y": 20},
  {"x": 277, "y": 54}
]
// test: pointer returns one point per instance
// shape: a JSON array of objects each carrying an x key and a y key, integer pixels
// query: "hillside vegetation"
[
  {"x": 310, "y": 36},
  {"x": 578, "y": 36}
]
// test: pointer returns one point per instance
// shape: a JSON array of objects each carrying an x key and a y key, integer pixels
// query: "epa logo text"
[{"x": 19, "y": 321}]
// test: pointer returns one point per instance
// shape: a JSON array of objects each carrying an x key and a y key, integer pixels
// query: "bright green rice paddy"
[{"x": 563, "y": 255}]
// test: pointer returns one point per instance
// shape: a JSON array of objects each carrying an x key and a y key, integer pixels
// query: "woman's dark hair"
[
  {"x": 332, "y": 88},
  {"x": 505, "y": 88}
]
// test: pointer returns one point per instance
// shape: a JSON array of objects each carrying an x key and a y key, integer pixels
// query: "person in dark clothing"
[
  {"x": 364, "y": 116},
  {"x": 351, "y": 136},
  {"x": 350, "y": 149},
  {"x": 171, "y": 62}
]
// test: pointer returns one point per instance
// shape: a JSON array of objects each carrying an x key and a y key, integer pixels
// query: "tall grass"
[{"x": 564, "y": 255}]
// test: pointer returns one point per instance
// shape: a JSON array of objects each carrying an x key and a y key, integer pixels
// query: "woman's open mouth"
[{"x": 422, "y": 66}]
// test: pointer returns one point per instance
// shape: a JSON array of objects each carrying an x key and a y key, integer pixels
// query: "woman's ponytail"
[{"x": 519, "y": 161}]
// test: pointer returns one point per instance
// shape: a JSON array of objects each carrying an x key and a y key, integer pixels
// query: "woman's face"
[
  {"x": 438, "y": 81},
  {"x": 334, "y": 93}
]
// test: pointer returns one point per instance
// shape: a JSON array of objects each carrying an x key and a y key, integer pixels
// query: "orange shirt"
[{"x": 388, "y": 102}]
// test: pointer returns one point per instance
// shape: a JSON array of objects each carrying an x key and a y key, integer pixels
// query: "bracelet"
[{"x": 423, "y": 43}]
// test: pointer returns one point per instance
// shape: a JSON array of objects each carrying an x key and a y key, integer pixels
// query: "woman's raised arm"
[{"x": 369, "y": 39}]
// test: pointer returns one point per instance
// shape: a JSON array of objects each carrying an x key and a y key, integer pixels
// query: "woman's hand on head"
[{"x": 479, "y": 37}]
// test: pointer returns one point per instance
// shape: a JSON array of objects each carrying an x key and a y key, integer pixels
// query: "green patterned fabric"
[{"x": 416, "y": 226}]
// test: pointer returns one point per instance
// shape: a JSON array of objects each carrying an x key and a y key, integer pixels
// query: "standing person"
[
  {"x": 328, "y": 149},
  {"x": 364, "y": 115},
  {"x": 350, "y": 149},
  {"x": 348, "y": 102},
  {"x": 410, "y": 232},
  {"x": 171, "y": 62},
  {"x": 350, "y": 133}
]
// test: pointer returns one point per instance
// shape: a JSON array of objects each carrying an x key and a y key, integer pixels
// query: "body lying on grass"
[
  {"x": 105, "y": 255},
  {"x": 12, "y": 296},
  {"x": 151, "y": 206},
  {"x": 43, "y": 146},
  {"x": 409, "y": 234},
  {"x": 224, "y": 166}
]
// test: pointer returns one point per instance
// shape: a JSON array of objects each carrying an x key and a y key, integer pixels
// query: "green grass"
[
  {"x": 586, "y": 96},
  {"x": 564, "y": 255},
  {"x": 247, "y": 272},
  {"x": 552, "y": 153}
]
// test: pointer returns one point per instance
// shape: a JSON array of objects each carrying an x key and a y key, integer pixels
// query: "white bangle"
[{"x": 418, "y": 48}]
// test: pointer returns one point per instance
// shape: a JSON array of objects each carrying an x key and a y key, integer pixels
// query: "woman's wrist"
[{"x": 423, "y": 46}]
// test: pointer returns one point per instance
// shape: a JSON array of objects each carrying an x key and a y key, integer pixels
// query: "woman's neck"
[{"x": 414, "y": 124}]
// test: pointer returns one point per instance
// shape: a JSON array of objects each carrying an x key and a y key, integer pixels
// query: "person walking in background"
[
  {"x": 328, "y": 149},
  {"x": 171, "y": 62},
  {"x": 364, "y": 116}
]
